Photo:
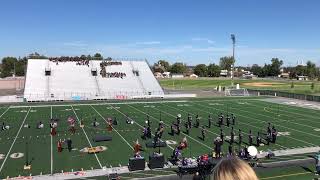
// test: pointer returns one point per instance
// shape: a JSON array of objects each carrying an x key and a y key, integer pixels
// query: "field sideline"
[{"x": 298, "y": 127}]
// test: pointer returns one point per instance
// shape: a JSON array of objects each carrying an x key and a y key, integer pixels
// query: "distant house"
[
  {"x": 158, "y": 75},
  {"x": 177, "y": 76},
  {"x": 193, "y": 76},
  {"x": 166, "y": 74},
  {"x": 284, "y": 75},
  {"x": 224, "y": 73},
  {"x": 302, "y": 78}
]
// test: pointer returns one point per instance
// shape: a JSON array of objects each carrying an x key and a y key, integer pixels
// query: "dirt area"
[{"x": 262, "y": 84}]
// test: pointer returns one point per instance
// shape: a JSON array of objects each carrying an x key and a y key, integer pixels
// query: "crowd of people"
[
  {"x": 105, "y": 74},
  {"x": 78, "y": 60}
]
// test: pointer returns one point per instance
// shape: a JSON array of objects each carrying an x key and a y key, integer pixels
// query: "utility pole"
[{"x": 233, "y": 38}]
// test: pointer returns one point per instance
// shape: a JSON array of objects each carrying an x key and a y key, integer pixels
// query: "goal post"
[{"x": 236, "y": 92}]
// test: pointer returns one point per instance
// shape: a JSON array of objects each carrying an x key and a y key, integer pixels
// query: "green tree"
[
  {"x": 83, "y": 57},
  {"x": 7, "y": 66},
  {"x": 226, "y": 62},
  {"x": 179, "y": 68},
  {"x": 311, "y": 70},
  {"x": 312, "y": 85},
  {"x": 274, "y": 68},
  {"x": 201, "y": 70},
  {"x": 213, "y": 70},
  {"x": 292, "y": 85},
  {"x": 165, "y": 64},
  {"x": 98, "y": 56},
  {"x": 257, "y": 70},
  {"x": 89, "y": 57}
]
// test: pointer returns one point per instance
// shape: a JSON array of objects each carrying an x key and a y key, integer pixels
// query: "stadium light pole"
[{"x": 233, "y": 38}]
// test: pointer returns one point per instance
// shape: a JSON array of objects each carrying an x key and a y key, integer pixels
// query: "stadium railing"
[{"x": 285, "y": 94}]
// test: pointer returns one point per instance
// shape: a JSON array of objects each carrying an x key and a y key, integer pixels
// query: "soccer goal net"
[{"x": 236, "y": 92}]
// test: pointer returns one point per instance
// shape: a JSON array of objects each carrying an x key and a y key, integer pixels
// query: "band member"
[
  {"x": 40, "y": 125},
  {"x": 240, "y": 137},
  {"x": 155, "y": 140},
  {"x": 53, "y": 126},
  {"x": 178, "y": 129},
  {"x": 269, "y": 138},
  {"x": 172, "y": 129},
  {"x": 81, "y": 123},
  {"x": 233, "y": 117},
  {"x": 59, "y": 145},
  {"x": 183, "y": 144},
  {"x": 203, "y": 132},
  {"x": 217, "y": 148},
  {"x": 232, "y": 135},
  {"x": 69, "y": 144},
  {"x": 228, "y": 120},
  {"x": 95, "y": 123},
  {"x": 269, "y": 130},
  {"x": 250, "y": 136},
  {"x": 109, "y": 123},
  {"x": 137, "y": 147},
  {"x": 189, "y": 120},
  {"x": 148, "y": 120},
  {"x": 221, "y": 135},
  {"x": 197, "y": 124},
  {"x": 149, "y": 132},
  {"x": 187, "y": 127},
  {"x": 160, "y": 129},
  {"x": 209, "y": 121},
  {"x": 72, "y": 122},
  {"x": 145, "y": 132},
  {"x": 258, "y": 140},
  {"x": 274, "y": 134},
  {"x": 179, "y": 119},
  {"x": 230, "y": 150}
]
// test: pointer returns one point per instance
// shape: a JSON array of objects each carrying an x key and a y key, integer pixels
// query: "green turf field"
[
  {"x": 303, "y": 87},
  {"x": 298, "y": 127}
]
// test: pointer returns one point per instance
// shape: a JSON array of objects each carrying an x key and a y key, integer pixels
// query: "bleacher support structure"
[{"x": 50, "y": 81}]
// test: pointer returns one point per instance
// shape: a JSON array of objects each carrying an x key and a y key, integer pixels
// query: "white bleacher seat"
[{"x": 69, "y": 81}]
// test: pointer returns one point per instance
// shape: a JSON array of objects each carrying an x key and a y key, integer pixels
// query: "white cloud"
[{"x": 203, "y": 39}]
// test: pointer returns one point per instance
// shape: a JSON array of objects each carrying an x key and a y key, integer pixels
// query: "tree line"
[
  {"x": 11, "y": 65},
  {"x": 273, "y": 69}
]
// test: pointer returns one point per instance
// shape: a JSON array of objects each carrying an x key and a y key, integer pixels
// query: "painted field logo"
[
  {"x": 283, "y": 134},
  {"x": 33, "y": 111},
  {"x": 16, "y": 155},
  {"x": 2, "y": 156},
  {"x": 171, "y": 142},
  {"x": 95, "y": 149},
  {"x": 317, "y": 129}
]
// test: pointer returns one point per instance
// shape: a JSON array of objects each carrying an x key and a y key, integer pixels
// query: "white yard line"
[
  {"x": 51, "y": 153},
  {"x": 4, "y": 111},
  {"x": 86, "y": 137},
  {"x": 113, "y": 128},
  {"x": 182, "y": 132},
  {"x": 135, "y": 122},
  {"x": 14, "y": 140}
]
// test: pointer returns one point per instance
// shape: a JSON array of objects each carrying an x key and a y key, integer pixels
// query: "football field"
[{"x": 299, "y": 128}]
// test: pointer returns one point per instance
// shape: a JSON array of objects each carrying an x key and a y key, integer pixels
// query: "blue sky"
[{"x": 187, "y": 30}]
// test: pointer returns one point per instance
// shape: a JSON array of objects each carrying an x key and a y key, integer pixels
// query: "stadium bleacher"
[{"x": 54, "y": 80}]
